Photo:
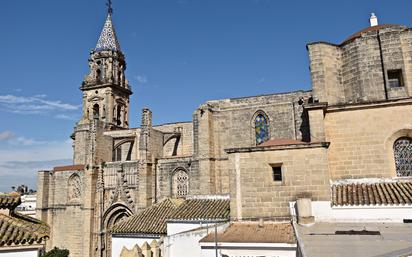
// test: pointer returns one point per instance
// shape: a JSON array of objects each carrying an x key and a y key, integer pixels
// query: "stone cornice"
[
  {"x": 369, "y": 105},
  {"x": 277, "y": 147},
  {"x": 114, "y": 86}
]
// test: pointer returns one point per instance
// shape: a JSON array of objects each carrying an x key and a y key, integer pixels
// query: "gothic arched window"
[
  {"x": 180, "y": 183},
  {"x": 261, "y": 128},
  {"x": 402, "y": 149},
  {"x": 74, "y": 188}
]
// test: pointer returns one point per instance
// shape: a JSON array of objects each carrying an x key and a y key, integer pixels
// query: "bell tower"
[
  {"x": 106, "y": 93},
  {"x": 105, "y": 89}
]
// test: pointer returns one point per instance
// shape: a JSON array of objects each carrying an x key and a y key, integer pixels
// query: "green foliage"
[{"x": 56, "y": 252}]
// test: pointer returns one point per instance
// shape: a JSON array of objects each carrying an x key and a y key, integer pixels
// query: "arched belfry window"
[
  {"x": 261, "y": 128},
  {"x": 180, "y": 183},
  {"x": 402, "y": 149},
  {"x": 96, "y": 111},
  {"x": 74, "y": 188}
]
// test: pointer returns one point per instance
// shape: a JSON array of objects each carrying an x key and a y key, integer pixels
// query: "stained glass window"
[
  {"x": 402, "y": 149},
  {"x": 261, "y": 129},
  {"x": 180, "y": 183}
]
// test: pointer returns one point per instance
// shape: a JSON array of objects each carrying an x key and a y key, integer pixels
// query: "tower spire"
[{"x": 108, "y": 39}]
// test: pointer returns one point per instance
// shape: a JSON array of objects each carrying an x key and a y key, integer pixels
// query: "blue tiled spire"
[{"x": 108, "y": 39}]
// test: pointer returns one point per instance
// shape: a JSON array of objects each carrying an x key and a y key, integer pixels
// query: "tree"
[{"x": 56, "y": 252}]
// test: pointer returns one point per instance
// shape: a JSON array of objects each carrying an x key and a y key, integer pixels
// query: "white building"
[
  {"x": 28, "y": 205},
  {"x": 176, "y": 224}
]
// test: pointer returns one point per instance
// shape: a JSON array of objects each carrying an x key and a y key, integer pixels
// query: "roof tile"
[
  {"x": 9, "y": 201},
  {"x": 251, "y": 232},
  {"x": 22, "y": 230},
  {"x": 153, "y": 219},
  {"x": 379, "y": 193}
]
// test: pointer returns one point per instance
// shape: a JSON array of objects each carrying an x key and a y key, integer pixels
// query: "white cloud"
[
  {"x": 141, "y": 79},
  {"x": 65, "y": 117},
  {"x": 24, "y": 149},
  {"x": 27, "y": 141},
  {"x": 15, "y": 173},
  {"x": 19, "y": 164},
  {"x": 6, "y": 135},
  {"x": 33, "y": 104}
]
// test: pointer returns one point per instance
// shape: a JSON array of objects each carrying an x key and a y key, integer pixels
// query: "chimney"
[
  {"x": 304, "y": 211},
  {"x": 373, "y": 20}
]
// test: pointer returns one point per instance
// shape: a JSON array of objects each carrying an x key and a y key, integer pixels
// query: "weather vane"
[{"x": 109, "y": 6}]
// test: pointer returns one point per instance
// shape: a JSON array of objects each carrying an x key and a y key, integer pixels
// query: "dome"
[{"x": 369, "y": 29}]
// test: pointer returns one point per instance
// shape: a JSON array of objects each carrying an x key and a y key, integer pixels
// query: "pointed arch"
[
  {"x": 74, "y": 188},
  {"x": 114, "y": 214},
  {"x": 118, "y": 150},
  {"x": 260, "y": 124},
  {"x": 180, "y": 182}
]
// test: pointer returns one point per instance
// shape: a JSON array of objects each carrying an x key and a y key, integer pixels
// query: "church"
[{"x": 347, "y": 142}]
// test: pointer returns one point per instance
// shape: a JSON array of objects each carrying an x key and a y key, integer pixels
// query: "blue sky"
[{"x": 179, "y": 53}]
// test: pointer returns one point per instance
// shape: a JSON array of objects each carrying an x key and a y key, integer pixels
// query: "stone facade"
[
  {"x": 344, "y": 128},
  {"x": 358, "y": 69},
  {"x": 255, "y": 194}
]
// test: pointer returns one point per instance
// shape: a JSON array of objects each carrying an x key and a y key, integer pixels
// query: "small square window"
[
  {"x": 395, "y": 78},
  {"x": 277, "y": 173}
]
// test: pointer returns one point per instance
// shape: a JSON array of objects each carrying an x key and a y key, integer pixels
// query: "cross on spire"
[{"x": 109, "y": 6}]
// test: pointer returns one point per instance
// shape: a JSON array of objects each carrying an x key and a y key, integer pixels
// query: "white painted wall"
[
  {"x": 128, "y": 242},
  {"x": 174, "y": 227},
  {"x": 30, "y": 253},
  {"x": 322, "y": 211},
  {"x": 28, "y": 205},
  {"x": 240, "y": 249},
  {"x": 186, "y": 244}
]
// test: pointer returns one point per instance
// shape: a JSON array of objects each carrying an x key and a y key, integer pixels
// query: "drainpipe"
[
  {"x": 155, "y": 180},
  {"x": 382, "y": 65}
]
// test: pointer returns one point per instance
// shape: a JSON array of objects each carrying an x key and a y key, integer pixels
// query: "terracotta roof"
[
  {"x": 379, "y": 193},
  {"x": 202, "y": 209},
  {"x": 368, "y": 29},
  {"x": 150, "y": 221},
  {"x": 250, "y": 232},
  {"x": 281, "y": 141},
  {"x": 21, "y": 230},
  {"x": 9, "y": 201},
  {"x": 153, "y": 219},
  {"x": 69, "y": 167}
]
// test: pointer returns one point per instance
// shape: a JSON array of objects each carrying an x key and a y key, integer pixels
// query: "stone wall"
[
  {"x": 65, "y": 217},
  {"x": 254, "y": 193},
  {"x": 361, "y": 138},
  {"x": 165, "y": 169},
  {"x": 185, "y": 143},
  {"x": 357, "y": 70},
  {"x": 229, "y": 123},
  {"x": 326, "y": 72}
]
